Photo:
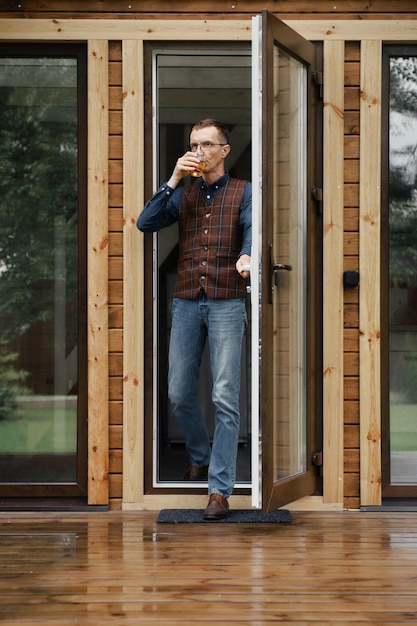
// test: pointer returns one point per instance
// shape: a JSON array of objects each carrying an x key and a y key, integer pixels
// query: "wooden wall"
[
  {"x": 115, "y": 275},
  {"x": 351, "y": 262},
  {"x": 169, "y": 9},
  {"x": 309, "y": 10}
]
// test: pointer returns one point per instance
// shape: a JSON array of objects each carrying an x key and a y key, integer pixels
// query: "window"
[
  {"x": 42, "y": 266},
  {"x": 400, "y": 266}
]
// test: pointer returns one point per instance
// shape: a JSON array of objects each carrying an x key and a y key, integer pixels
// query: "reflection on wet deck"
[{"x": 124, "y": 568}]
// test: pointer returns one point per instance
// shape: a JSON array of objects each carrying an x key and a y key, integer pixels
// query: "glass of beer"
[{"x": 201, "y": 165}]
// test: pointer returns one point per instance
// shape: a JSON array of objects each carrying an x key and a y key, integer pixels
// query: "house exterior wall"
[
  {"x": 346, "y": 426},
  {"x": 351, "y": 466},
  {"x": 115, "y": 275}
]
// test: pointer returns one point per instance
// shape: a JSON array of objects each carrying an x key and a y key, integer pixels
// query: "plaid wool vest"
[{"x": 210, "y": 240}]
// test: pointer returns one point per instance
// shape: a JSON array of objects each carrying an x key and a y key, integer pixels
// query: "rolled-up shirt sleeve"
[
  {"x": 246, "y": 220},
  {"x": 161, "y": 210}
]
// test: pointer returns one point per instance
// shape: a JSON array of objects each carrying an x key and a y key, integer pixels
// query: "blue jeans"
[{"x": 223, "y": 323}]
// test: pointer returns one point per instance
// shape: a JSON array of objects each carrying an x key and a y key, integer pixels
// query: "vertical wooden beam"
[
  {"x": 133, "y": 275},
  {"x": 333, "y": 149},
  {"x": 97, "y": 278},
  {"x": 369, "y": 267}
]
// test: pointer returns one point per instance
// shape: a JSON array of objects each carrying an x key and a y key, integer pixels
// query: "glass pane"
[
  {"x": 38, "y": 269},
  {"x": 403, "y": 268},
  {"x": 289, "y": 248}
]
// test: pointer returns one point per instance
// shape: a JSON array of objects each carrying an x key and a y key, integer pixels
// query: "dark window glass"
[
  {"x": 39, "y": 268},
  {"x": 402, "y": 279}
]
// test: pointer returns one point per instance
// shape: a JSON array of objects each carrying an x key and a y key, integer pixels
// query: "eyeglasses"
[{"x": 206, "y": 145}]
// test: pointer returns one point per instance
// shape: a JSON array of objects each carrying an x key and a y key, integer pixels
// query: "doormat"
[{"x": 250, "y": 516}]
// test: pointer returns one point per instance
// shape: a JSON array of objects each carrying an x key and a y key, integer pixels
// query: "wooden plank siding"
[
  {"x": 345, "y": 25},
  {"x": 116, "y": 327},
  {"x": 168, "y": 9},
  {"x": 351, "y": 262}
]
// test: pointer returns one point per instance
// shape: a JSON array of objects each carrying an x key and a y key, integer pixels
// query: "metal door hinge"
[
  {"x": 318, "y": 78},
  {"x": 317, "y": 195},
  {"x": 318, "y": 81},
  {"x": 317, "y": 459}
]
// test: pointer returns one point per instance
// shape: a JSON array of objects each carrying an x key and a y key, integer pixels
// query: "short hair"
[{"x": 212, "y": 122}]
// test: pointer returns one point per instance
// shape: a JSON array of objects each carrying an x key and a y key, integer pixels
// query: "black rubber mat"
[{"x": 250, "y": 516}]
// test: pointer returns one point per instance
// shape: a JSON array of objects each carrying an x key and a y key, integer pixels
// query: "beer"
[{"x": 200, "y": 167}]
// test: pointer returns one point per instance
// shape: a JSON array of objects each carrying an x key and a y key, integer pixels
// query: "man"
[{"x": 215, "y": 236}]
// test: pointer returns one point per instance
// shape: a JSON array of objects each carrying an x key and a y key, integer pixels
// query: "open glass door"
[{"x": 284, "y": 260}]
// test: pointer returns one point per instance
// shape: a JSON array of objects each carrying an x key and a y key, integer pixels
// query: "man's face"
[{"x": 214, "y": 156}]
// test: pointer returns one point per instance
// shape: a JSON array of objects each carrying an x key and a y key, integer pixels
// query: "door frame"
[
  {"x": 151, "y": 167},
  {"x": 290, "y": 38}
]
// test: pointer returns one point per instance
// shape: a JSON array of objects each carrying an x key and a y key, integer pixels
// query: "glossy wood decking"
[{"x": 123, "y": 568}]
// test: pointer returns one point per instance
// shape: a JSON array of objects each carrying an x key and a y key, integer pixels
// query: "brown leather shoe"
[
  {"x": 217, "y": 508},
  {"x": 195, "y": 472}
]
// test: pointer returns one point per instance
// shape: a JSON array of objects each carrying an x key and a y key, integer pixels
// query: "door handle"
[
  {"x": 275, "y": 267},
  {"x": 282, "y": 266}
]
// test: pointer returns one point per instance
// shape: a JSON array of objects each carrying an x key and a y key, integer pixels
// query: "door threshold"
[
  {"x": 313, "y": 503},
  {"x": 398, "y": 505}
]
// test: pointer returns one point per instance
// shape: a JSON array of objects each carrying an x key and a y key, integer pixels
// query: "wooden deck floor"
[{"x": 123, "y": 568}]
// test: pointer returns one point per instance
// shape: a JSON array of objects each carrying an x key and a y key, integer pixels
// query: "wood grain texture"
[
  {"x": 65, "y": 29},
  {"x": 97, "y": 258},
  {"x": 370, "y": 299},
  {"x": 124, "y": 568},
  {"x": 333, "y": 129},
  {"x": 133, "y": 276},
  {"x": 170, "y": 9}
]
